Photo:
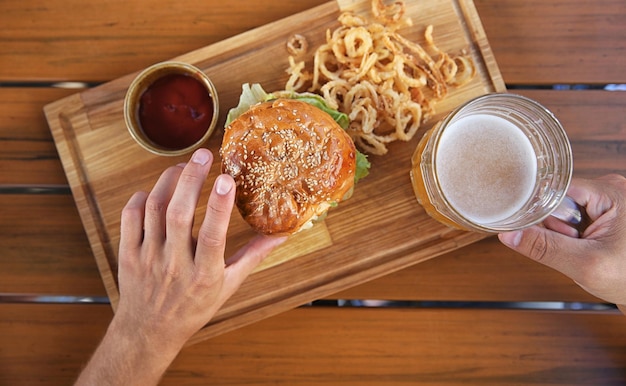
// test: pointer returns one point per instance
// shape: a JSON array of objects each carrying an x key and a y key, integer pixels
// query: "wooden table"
[{"x": 456, "y": 318}]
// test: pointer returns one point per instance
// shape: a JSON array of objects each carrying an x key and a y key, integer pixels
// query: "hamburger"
[{"x": 290, "y": 157}]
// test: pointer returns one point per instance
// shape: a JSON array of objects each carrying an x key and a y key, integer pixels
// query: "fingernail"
[
  {"x": 201, "y": 157},
  {"x": 512, "y": 239},
  {"x": 278, "y": 240},
  {"x": 223, "y": 185}
]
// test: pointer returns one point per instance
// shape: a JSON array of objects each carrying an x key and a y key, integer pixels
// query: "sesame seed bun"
[{"x": 291, "y": 162}]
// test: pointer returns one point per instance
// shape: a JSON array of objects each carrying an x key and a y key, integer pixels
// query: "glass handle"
[{"x": 568, "y": 211}]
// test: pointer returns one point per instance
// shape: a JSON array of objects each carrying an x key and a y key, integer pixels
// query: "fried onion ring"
[{"x": 387, "y": 84}]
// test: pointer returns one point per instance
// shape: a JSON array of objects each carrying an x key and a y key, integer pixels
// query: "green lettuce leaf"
[
  {"x": 319, "y": 102},
  {"x": 362, "y": 166},
  {"x": 253, "y": 94},
  {"x": 250, "y": 96}
]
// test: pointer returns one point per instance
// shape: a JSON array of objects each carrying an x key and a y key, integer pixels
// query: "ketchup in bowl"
[
  {"x": 175, "y": 111},
  {"x": 171, "y": 108}
]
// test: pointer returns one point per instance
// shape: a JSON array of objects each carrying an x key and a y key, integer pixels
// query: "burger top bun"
[{"x": 291, "y": 162}]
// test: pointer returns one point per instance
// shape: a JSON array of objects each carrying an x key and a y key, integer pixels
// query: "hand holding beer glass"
[{"x": 497, "y": 163}]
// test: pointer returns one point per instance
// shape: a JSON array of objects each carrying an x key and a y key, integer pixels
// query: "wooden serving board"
[{"x": 380, "y": 229}]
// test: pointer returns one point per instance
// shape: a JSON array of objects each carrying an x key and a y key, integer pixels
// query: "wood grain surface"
[
  {"x": 534, "y": 42},
  {"x": 104, "y": 167},
  {"x": 320, "y": 346},
  {"x": 537, "y": 43}
]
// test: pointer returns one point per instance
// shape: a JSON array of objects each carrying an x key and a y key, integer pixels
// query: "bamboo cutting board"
[{"x": 379, "y": 230}]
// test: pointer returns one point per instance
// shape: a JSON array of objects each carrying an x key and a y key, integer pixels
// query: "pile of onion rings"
[{"x": 387, "y": 84}]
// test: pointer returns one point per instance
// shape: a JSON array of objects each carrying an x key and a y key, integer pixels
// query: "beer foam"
[{"x": 486, "y": 167}]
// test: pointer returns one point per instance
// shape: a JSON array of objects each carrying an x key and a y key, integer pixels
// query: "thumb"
[
  {"x": 548, "y": 247},
  {"x": 245, "y": 260}
]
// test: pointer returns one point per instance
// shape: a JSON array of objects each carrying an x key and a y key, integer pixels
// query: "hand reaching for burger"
[
  {"x": 594, "y": 259},
  {"x": 292, "y": 164},
  {"x": 170, "y": 285}
]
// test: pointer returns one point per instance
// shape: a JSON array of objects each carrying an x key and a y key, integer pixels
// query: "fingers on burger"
[{"x": 290, "y": 157}]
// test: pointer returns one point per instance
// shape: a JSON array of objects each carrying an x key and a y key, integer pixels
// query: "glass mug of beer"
[{"x": 497, "y": 163}]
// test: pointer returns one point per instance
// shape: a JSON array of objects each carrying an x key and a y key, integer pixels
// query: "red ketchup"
[{"x": 175, "y": 111}]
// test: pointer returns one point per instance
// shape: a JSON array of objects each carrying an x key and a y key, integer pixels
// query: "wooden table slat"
[
  {"x": 28, "y": 154},
  {"x": 44, "y": 247},
  {"x": 343, "y": 346},
  {"x": 100, "y": 41},
  {"x": 483, "y": 271},
  {"x": 557, "y": 42},
  {"x": 106, "y": 40}
]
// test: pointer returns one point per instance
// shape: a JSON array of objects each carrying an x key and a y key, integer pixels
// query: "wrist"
[
  {"x": 141, "y": 335},
  {"x": 129, "y": 354}
]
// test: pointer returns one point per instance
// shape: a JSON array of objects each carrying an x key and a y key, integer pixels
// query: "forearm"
[
  {"x": 622, "y": 307},
  {"x": 127, "y": 357}
]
